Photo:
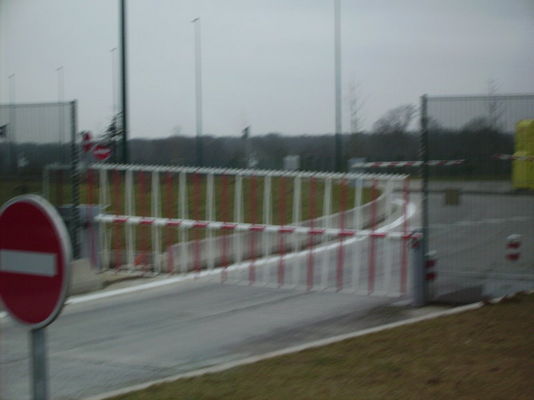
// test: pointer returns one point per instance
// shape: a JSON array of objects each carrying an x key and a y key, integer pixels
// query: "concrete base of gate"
[
  {"x": 84, "y": 278},
  {"x": 466, "y": 295}
]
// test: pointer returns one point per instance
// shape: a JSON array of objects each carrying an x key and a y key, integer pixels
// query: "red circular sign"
[
  {"x": 101, "y": 152},
  {"x": 34, "y": 260}
]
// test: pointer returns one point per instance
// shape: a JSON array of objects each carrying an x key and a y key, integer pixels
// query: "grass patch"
[
  {"x": 13, "y": 187},
  {"x": 482, "y": 354},
  {"x": 281, "y": 209}
]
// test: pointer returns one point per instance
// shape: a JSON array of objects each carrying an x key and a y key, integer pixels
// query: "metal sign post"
[{"x": 39, "y": 367}]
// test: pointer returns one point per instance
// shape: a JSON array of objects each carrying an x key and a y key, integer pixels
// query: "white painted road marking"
[
  {"x": 483, "y": 221},
  {"x": 28, "y": 262}
]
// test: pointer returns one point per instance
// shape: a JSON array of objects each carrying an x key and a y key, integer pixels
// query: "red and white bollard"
[
  {"x": 513, "y": 247},
  {"x": 431, "y": 261}
]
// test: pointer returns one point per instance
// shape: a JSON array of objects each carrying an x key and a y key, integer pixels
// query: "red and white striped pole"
[
  {"x": 372, "y": 244},
  {"x": 252, "y": 235},
  {"x": 117, "y": 209},
  {"x": 513, "y": 247},
  {"x": 91, "y": 182},
  {"x": 282, "y": 194},
  {"x": 343, "y": 198},
  {"x": 168, "y": 234},
  {"x": 405, "y": 228},
  {"x": 430, "y": 267},
  {"x": 225, "y": 214},
  {"x": 403, "y": 164},
  {"x": 513, "y": 157},
  {"x": 142, "y": 257},
  {"x": 197, "y": 193},
  {"x": 311, "y": 217}
]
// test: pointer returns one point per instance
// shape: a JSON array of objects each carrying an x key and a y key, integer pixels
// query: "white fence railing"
[{"x": 223, "y": 196}]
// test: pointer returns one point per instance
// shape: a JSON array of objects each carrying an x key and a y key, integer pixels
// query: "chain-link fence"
[
  {"x": 473, "y": 210},
  {"x": 31, "y": 137}
]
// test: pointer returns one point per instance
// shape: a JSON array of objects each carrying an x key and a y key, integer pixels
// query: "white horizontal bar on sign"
[
  {"x": 28, "y": 262},
  {"x": 244, "y": 227}
]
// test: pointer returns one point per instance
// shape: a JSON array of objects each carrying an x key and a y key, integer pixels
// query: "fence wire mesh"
[
  {"x": 474, "y": 207},
  {"x": 32, "y": 137}
]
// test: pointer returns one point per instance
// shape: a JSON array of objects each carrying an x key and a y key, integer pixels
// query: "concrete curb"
[{"x": 288, "y": 350}]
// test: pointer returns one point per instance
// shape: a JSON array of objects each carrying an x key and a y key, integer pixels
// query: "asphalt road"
[
  {"x": 470, "y": 240},
  {"x": 110, "y": 343}
]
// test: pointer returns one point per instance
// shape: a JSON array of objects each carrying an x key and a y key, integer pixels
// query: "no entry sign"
[
  {"x": 101, "y": 152},
  {"x": 34, "y": 260}
]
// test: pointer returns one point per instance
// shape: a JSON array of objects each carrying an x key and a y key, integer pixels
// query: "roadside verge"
[{"x": 484, "y": 353}]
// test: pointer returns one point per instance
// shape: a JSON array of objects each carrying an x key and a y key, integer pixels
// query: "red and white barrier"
[
  {"x": 246, "y": 227},
  {"x": 392, "y": 164},
  {"x": 181, "y": 219},
  {"x": 513, "y": 157},
  {"x": 341, "y": 255},
  {"x": 513, "y": 247}
]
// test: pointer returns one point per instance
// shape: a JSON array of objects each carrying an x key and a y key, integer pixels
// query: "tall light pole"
[
  {"x": 12, "y": 88},
  {"x": 198, "y": 92},
  {"x": 60, "y": 99},
  {"x": 60, "y": 84},
  {"x": 115, "y": 123},
  {"x": 124, "y": 83},
  {"x": 11, "y": 151},
  {"x": 337, "y": 63},
  {"x": 113, "y": 52}
]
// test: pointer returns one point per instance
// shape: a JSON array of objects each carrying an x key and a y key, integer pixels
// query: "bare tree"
[
  {"x": 355, "y": 104},
  {"x": 396, "y": 120},
  {"x": 494, "y": 108}
]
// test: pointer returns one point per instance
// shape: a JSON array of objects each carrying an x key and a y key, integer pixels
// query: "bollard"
[
  {"x": 418, "y": 271},
  {"x": 452, "y": 197},
  {"x": 430, "y": 264},
  {"x": 513, "y": 247}
]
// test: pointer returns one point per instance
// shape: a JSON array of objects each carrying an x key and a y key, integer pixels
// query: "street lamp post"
[
  {"x": 61, "y": 116},
  {"x": 113, "y": 52},
  {"x": 124, "y": 82},
  {"x": 198, "y": 92},
  {"x": 337, "y": 63},
  {"x": 11, "y": 135}
]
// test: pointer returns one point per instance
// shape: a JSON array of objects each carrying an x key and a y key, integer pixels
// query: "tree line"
[{"x": 392, "y": 138}]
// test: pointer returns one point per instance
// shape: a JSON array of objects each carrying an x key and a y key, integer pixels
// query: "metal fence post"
[
  {"x": 424, "y": 176},
  {"x": 75, "y": 180},
  {"x": 46, "y": 182},
  {"x": 418, "y": 272}
]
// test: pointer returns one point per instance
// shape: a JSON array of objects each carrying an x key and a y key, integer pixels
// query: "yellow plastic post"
[{"x": 523, "y": 170}]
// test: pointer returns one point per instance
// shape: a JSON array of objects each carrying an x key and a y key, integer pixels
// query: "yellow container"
[{"x": 523, "y": 170}]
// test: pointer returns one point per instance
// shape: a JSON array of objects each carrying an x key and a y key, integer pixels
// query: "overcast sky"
[{"x": 267, "y": 63}]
